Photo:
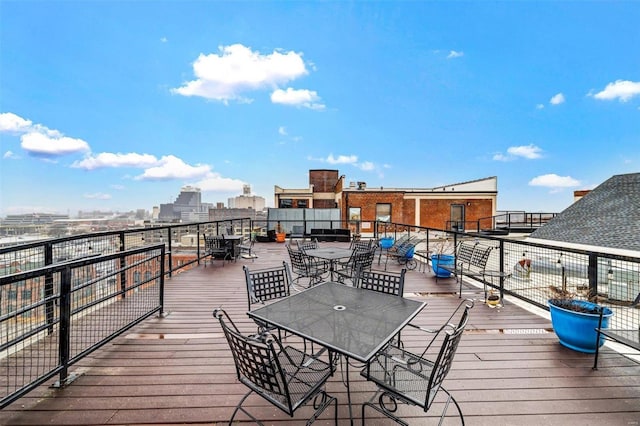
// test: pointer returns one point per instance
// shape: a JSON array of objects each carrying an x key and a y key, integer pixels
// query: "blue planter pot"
[
  {"x": 576, "y": 330},
  {"x": 447, "y": 260},
  {"x": 386, "y": 242}
]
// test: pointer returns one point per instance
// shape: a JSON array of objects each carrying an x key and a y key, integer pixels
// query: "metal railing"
[
  {"x": 52, "y": 316},
  {"x": 535, "y": 272}
]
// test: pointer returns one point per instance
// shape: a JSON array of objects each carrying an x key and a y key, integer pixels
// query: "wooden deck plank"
[{"x": 177, "y": 369}]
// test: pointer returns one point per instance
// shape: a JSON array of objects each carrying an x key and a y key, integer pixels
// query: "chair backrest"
[
  {"x": 267, "y": 284},
  {"x": 256, "y": 361},
  {"x": 363, "y": 259},
  {"x": 298, "y": 261},
  {"x": 382, "y": 282},
  {"x": 307, "y": 245},
  {"x": 361, "y": 244},
  {"x": 442, "y": 364}
]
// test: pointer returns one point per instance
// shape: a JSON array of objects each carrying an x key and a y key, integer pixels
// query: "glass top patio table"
[
  {"x": 353, "y": 322},
  {"x": 330, "y": 253}
]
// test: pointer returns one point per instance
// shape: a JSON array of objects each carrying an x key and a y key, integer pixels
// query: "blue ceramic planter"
[
  {"x": 447, "y": 260},
  {"x": 386, "y": 242},
  {"x": 576, "y": 330}
]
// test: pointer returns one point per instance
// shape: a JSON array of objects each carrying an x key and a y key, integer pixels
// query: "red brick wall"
[
  {"x": 434, "y": 213},
  {"x": 323, "y": 180}
]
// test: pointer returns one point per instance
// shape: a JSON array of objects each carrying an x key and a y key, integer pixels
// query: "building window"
[
  {"x": 383, "y": 212},
  {"x": 285, "y": 203},
  {"x": 302, "y": 204},
  {"x": 354, "y": 214}
]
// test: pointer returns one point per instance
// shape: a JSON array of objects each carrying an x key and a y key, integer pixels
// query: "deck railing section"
[
  {"x": 52, "y": 316},
  {"x": 535, "y": 272}
]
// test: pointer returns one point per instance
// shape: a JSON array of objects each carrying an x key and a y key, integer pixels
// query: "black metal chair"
[
  {"x": 381, "y": 281},
  {"x": 304, "y": 267},
  {"x": 321, "y": 265},
  {"x": 414, "y": 379},
  {"x": 246, "y": 249},
  {"x": 360, "y": 260},
  {"x": 218, "y": 247},
  {"x": 267, "y": 284},
  {"x": 284, "y": 376}
]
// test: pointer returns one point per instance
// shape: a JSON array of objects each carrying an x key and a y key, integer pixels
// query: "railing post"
[
  {"x": 593, "y": 275},
  {"x": 169, "y": 245},
  {"x": 501, "y": 269},
  {"x": 162, "y": 269},
  {"x": 64, "y": 344},
  {"x": 48, "y": 288}
]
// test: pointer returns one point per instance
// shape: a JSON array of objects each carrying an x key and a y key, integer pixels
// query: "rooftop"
[{"x": 177, "y": 369}]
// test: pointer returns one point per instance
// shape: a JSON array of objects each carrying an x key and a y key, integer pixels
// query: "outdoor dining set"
[{"x": 328, "y": 311}]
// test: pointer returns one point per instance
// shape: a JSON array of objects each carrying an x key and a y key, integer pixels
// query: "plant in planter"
[
  {"x": 574, "y": 321},
  {"x": 281, "y": 235},
  {"x": 439, "y": 258}
]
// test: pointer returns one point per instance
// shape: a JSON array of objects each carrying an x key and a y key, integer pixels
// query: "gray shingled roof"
[{"x": 608, "y": 216}]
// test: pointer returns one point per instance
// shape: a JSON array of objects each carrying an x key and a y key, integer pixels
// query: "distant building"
[
  {"x": 246, "y": 200},
  {"x": 461, "y": 206},
  {"x": 188, "y": 207}
]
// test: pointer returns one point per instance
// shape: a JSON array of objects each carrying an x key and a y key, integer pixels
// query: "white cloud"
[
  {"x": 540, "y": 106},
  {"x": 172, "y": 167},
  {"x": 623, "y": 90},
  {"x": 366, "y": 166},
  {"x": 9, "y": 155},
  {"x": 557, "y": 99},
  {"x": 42, "y": 144},
  {"x": 453, "y": 54},
  {"x": 213, "y": 182},
  {"x": 98, "y": 196},
  {"x": 164, "y": 39},
  {"x": 236, "y": 69},
  {"x": 282, "y": 131},
  {"x": 117, "y": 187},
  {"x": 12, "y": 123},
  {"x": 39, "y": 140},
  {"x": 530, "y": 152},
  {"x": 108, "y": 159},
  {"x": 554, "y": 181},
  {"x": 300, "y": 98},
  {"x": 342, "y": 159}
]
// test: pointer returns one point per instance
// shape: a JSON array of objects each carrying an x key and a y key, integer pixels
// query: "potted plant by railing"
[
  {"x": 281, "y": 235},
  {"x": 439, "y": 258},
  {"x": 574, "y": 321}
]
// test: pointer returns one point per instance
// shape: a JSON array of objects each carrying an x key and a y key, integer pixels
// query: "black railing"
[
  {"x": 54, "y": 315},
  {"x": 535, "y": 272}
]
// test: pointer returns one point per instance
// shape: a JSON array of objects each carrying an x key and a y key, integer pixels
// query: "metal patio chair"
[
  {"x": 267, "y": 284},
  {"x": 246, "y": 249},
  {"x": 359, "y": 260},
  {"x": 382, "y": 282},
  {"x": 282, "y": 375},
  {"x": 303, "y": 266},
  {"x": 416, "y": 378},
  {"x": 218, "y": 247}
]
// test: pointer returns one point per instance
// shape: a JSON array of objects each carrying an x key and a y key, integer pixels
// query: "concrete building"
[
  {"x": 188, "y": 207},
  {"x": 247, "y": 200}
]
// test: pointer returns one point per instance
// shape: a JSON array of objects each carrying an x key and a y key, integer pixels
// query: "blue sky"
[{"x": 115, "y": 105}]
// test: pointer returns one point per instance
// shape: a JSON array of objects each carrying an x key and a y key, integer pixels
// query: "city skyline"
[{"x": 117, "y": 105}]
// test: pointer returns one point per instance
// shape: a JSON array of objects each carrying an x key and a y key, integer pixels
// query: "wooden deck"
[{"x": 509, "y": 369}]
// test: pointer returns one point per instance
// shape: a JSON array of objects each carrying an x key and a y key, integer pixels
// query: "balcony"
[{"x": 176, "y": 368}]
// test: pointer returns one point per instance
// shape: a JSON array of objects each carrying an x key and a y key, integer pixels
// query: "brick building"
[{"x": 455, "y": 206}]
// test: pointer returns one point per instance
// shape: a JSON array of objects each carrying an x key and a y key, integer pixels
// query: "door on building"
[{"x": 457, "y": 217}]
